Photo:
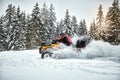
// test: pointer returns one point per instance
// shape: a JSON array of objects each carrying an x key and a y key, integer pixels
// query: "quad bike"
[{"x": 46, "y": 49}]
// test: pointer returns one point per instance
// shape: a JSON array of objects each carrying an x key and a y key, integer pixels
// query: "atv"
[{"x": 46, "y": 49}]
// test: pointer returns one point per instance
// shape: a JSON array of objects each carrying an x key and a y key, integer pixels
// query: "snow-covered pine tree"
[
  {"x": 60, "y": 27},
  {"x": 74, "y": 25},
  {"x": 2, "y": 37},
  {"x": 82, "y": 28},
  {"x": 92, "y": 31},
  {"x": 100, "y": 23},
  {"x": 28, "y": 32},
  {"x": 52, "y": 22},
  {"x": 22, "y": 37},
  {"x": 67, "y": 24},
  {"x": 10, "y": 27},
  {"x": 113, "y": 23},
  {"x": 44, "y": 31},
  {"x": 81, "y": 31},
  {"x": 17, "y": 28},
  {"x": 20, "y": 23},
  {"x": 35, "y": 25},
  {"x": 58, "y": 31}
]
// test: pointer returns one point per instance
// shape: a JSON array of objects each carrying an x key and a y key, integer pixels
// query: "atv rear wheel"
[{"x": 46, "y": 55}]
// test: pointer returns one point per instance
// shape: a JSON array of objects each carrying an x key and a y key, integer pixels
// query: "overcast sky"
[{"x": 82, "y": 9}]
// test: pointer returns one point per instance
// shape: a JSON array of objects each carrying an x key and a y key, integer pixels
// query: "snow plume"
[
  {"x": 100, "y": 49},
  {"x": 95, "y": 49}
]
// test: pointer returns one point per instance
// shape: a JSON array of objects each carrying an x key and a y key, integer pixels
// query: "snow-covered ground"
[{"x": 98, "y": 61}]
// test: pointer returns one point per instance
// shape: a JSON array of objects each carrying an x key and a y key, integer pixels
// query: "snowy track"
[{"x": 27, "y": 65}]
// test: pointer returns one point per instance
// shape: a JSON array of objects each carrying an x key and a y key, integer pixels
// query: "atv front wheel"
[{"x": 46, "y": 55}]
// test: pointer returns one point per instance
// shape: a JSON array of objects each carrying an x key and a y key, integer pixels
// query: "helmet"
[{"x": 62, "y": 34}]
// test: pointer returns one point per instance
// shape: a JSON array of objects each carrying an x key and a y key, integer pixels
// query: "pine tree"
[
  {"x": 35, "y": 26},
  {"x": 100, "y": 17},
  {"x": 81, "y": 31},
  {"x": 113, "y": 23},
  {"x": 92, "y": 31},
  {"x": 60, "y": 27},
  {"x": 100, "y": 23},
  {"x": 20, "y": 24},
  {"x": 45, "y": 36},
  {"x": 22, "y": 37},
  {"x": 28, "y": 32},
  {"x": 58, "y": 30},
  {"x": 74, "y": 25},
  {"x": 67, "y": 24},
  {"x": 10, "y": 27},
  {"x": 52, "y": 22},
  {"x": 2, "y": 37},
  {"x": 82, "y": 28},
  {"x": 17, "y": 29}
]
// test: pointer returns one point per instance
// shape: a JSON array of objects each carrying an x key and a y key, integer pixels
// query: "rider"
[{"x": 65, "y": 39}]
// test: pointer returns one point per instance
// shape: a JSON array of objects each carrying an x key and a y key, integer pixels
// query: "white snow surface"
[{"x": 98, "y": 61}]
